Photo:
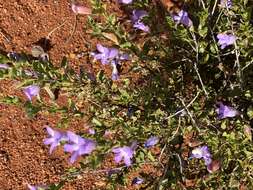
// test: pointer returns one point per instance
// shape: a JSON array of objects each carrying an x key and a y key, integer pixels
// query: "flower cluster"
[
  {"x": 77, "y": 145},
  {"x": 110, "y": 55},
  {"x": 55, "y": 138}
]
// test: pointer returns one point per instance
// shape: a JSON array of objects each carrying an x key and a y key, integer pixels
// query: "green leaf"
[
  {"x": 56, "y": 187},
  {"x": 96, "y": 122},
  {"x": 250, "y": 112},
  {"x": 10, "y": 100},
  {"x": 31, "y": 109},
  {"x": 64, "y": 63},
  {"x": 150, "y": 156},
  {"x": 202, "y": 31}
]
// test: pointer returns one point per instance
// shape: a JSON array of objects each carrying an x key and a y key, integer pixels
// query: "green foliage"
[{"x": 178, "y": 82}]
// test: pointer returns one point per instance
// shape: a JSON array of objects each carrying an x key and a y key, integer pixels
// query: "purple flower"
[
  {"x": 105, "y": 55},
  {"x": 110, "y": 55},
  {"x": 123, "y": 57},
  {"x": 91, "y": 131},
  {"x": 226, "y": 3},
  {"x": 182, "y": 17},
  {"x": 151, "y": 141},
  {"x": 79, "y": 9},
  {"x": 226, "y": 111},
  {"x": 125, "y": 1},
  {"x": 141, "y": 26},
  {"x": 31, "y": 187},
  {"x": 226, "y": 40},
  {"x": 107, "y": 134},
  {"x": 136, "y": 19},
  {"x": 79, "y": 146},
  {"x": 137, "y": 181},
  {"x": 32, "y": 90},
  {"x": 202, "y": 152},
  {"x": 14, "y": 56},
  {"x": 124, "y": 153},
  {"x": 55, "y": 138},
  {"x": 4, "y": 66}
]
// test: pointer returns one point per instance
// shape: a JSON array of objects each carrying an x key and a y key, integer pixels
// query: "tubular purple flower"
[
  {"x": 79, "y": 9},
  {"x": 137, "y": 16},
  {"x": 15, "y": 56},
  {"x": 226, "y": 40},
  {"x": 31, "y": 187},
  {"x": 226, "y": 111},
  {"x": 32, "y": 90},
  {"x": 55, "y": 138},
  {"x": 151, "y": 141},
  {"x": 125, "y": 1},
  {"x": 141, "y": 26},
  {"x": 226, "y": 3},
  {"x": 202, "y": 152},
  {"x": 125, "y": 153},
  {"x": 79, "y": 146},
  {"x": 105, "y": 55},
  {"x": 137, "y": 181},
  {"x": 4, "y": 66},
  {"x": 110, "y": 55},
  {"x": 183, "y": 18},
  {"x": 91, "y": 131},
  {"x": 124, "y": 57}
]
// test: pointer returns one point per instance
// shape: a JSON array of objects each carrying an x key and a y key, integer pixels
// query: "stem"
[
  {"x": 188, "y": 105},
  {"x": 237, "y": 54},
  {"x": 56, "y": 28},
  {"x": 197, "y": 61},
  {"x": 189, "y": 113},
  {"x": 247, "y": 65},
  {"x": 73, "y": 30},
  {"x": 5, "y": 36},
  {"x": 214, "y": 7}
]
